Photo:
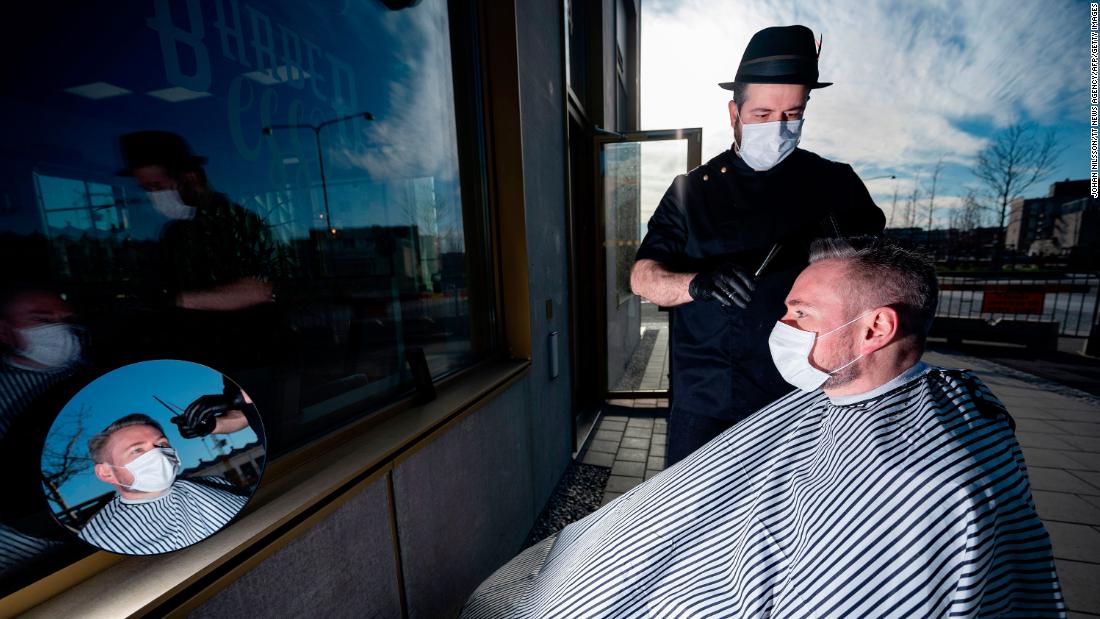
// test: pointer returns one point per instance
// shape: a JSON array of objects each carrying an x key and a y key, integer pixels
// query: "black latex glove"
[
  {"x": 200, "y": 417},
  {"x": 728, "y": 284}
]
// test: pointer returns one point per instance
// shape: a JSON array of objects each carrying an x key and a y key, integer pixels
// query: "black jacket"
[{"x": 725, "y": 211}]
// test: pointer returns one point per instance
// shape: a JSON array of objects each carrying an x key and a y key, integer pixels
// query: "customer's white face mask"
[
  {"x": 53, "y": 345},
  {"x": 764, "y": 145},
  {"x": 791, "y": 348},
  {"x": 168, "y": 203},
  {"x": 153, "y": 471}
]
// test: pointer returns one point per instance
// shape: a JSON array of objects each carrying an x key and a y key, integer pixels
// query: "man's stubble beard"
[{"x": 838, "y": 357}]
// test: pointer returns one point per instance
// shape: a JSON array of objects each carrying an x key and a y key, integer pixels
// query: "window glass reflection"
[{"x": 267, "y": 188}]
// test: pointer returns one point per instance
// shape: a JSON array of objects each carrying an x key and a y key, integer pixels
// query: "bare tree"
[
  {"x": 932, "y": 196},
  {"x": 64, "y": 456},
  {"x": 894, "y": 208},
  {"x": 970, "y": 215},
  {"x": 911, "y": 204},
  {"x": 1011, "y": 163}
]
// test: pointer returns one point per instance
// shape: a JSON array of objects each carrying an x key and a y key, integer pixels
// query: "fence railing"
[{"x": 1070, "y": 299}]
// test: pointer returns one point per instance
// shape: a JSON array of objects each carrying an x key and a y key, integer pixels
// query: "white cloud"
[{"x": 906, "y": 74}]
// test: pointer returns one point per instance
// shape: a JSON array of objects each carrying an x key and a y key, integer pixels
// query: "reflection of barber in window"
[
  {"x": 154, "y": 511},
  {"x": 216, "y": 255}
]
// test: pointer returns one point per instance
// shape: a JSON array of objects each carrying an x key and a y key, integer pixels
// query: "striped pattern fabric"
[
  {"x": 186, "y": 514},
  {"x": 909, "y": 501},
  {"x": 20, "y": 386}
]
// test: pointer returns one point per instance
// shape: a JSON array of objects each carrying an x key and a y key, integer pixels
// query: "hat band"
[
  {"x": 777, "y": 68},
  {"x": 777, "y": 57}
]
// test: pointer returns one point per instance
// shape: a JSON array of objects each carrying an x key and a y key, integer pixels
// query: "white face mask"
[
  {"x": 153, "y": 471},
  {"x": 791, "y": 348},
  {"x": 52, "y": 345},
  {"x": 764, "y": 145},
  {"x": 169, "y": 204}
]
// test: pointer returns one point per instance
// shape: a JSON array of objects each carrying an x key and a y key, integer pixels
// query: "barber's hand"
[
  {"x": 199, "y": 418},
  {"x": 728, "y": 284}
]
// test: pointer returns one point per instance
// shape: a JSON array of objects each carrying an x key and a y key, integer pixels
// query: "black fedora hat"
[
  {"x": 163, "y": 148},
  {"x": 779, "y": 55}
]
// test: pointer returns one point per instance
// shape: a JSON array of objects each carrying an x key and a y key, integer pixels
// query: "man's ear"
[
  {"x": 105, "y": 473},
  {"x": 882, "y": 330},
  {"x": 733, "y": 112}
]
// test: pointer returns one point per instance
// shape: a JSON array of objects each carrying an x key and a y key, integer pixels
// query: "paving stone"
[
  {"x": 621, "y": 483},
  {"x": 1083, "y": 443},
  {"x": 1076, "y": 428},
  {"x": 632, "y": 455},
  {"x": 1065, "y": 507},
  {"x": 622, "y": 418},
  {"x": 628, "y": 469},
  {"x": 605, "y": 446},
  {"x": 1058, "y": 480},
  {"x": 621, "y": 402},
  {"x": 638, "y": 432},
  {"x": 656, "y": 462},
  {"x": 1079, "y": 585},
  {"x": 659, "y": 440},
  {"x": 609, "y": 496},
  {"x": 1095, "y": 500},
  {"x": 607, "y": 435},
  {"x": 650, "y": 473},
  {"x": 1045, "y": 441},
  {"x": 1087, "y": 415},
  {"x": 640, "y": 422},
  {"x": 634, "y": 442},
  {"x": 613, "y": 426},
  {"x": 1084, "y": 460},
  {"x": 1090, "y": 476},
  {"x": 1078, "y": 542},
  {"x": 1024, "y": 424},
  {"x": 598, "y": 458},
  {"x": 1049, "y": 458}
]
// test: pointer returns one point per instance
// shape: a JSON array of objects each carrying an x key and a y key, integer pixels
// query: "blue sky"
[
  {"x": 913, "y": 82},
  {"x": 130, "y": 389}
]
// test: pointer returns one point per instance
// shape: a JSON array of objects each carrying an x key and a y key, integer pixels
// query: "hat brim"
[{"x": 729, "y": 85}]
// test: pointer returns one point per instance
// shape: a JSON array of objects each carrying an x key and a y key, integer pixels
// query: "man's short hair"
[
  {"x": 883, "y": 273},
  {"x": 97, "y": 445}
]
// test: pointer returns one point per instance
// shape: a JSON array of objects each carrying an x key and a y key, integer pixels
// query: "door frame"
[{"x": 694, "y": 138}]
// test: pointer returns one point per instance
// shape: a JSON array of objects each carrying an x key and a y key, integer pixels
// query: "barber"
[{"x": 728, "y": 239}]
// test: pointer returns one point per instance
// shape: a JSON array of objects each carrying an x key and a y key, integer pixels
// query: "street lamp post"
[
  {"x": 316, "y": 129},
  {"x": 895, "y": 206}
]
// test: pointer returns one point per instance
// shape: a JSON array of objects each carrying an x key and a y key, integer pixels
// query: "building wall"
[{"x": 465, "y": 501}]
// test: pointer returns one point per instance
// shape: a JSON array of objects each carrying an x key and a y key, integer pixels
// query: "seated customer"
[
  {"x": 154, "y": 512},
  {"x": 881, "y": 487}
]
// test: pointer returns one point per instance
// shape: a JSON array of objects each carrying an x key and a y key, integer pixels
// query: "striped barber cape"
[
  {"x": 911, "y": 500},
  {"x": 187, "y": 513}
]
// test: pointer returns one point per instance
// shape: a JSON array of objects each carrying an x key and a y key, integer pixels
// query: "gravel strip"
[{"x": 578, "y": 494}]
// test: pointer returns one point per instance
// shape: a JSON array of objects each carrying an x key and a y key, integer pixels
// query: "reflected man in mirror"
[
  {"x": 40, "y": 347},
  {"x": 153, "y": 510}
]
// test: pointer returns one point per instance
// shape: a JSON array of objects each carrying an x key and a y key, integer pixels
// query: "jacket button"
[
  {"x": 705, "y": 177},
  {"x": 723, "y": 169}
]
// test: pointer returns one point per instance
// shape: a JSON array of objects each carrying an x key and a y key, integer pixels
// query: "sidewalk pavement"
[{"x": 1058, "y": 428}]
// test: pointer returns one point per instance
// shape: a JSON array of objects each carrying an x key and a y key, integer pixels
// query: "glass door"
[{"x": 633, "y": 170}]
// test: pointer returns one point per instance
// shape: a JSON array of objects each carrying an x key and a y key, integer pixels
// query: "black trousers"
[{"x": 687, "y": 432}]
